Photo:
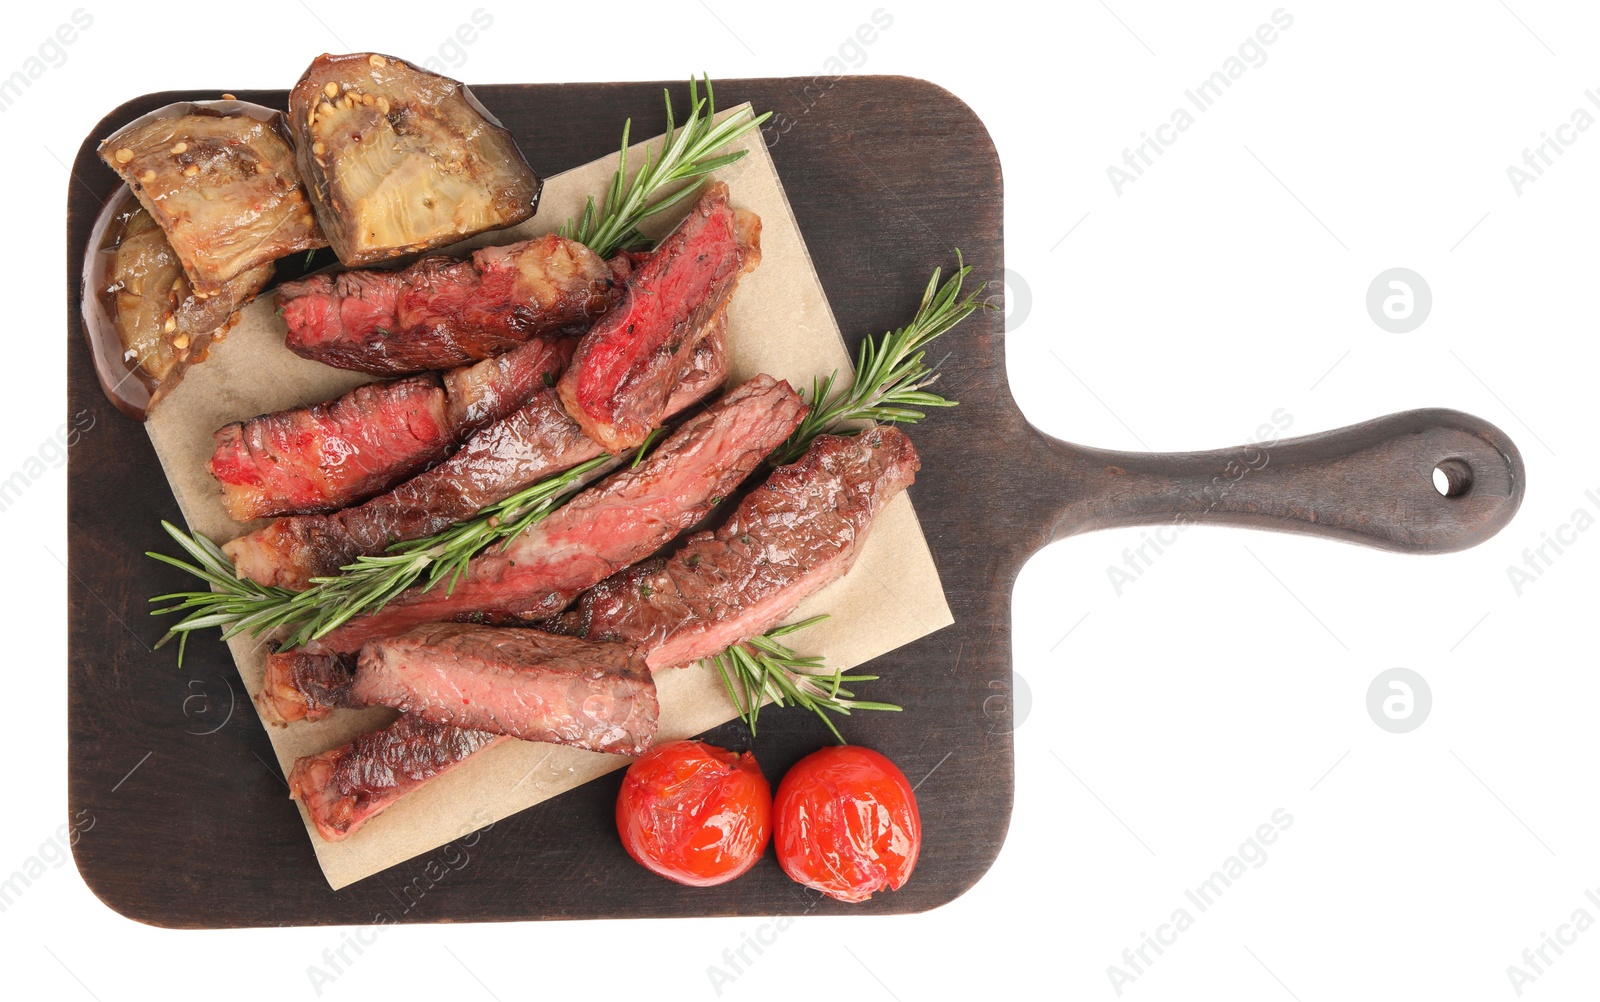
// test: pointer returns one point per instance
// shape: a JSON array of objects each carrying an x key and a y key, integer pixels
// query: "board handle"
[{"x": 1371, "y": 483}]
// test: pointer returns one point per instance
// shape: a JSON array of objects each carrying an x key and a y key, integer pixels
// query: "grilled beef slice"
[
  {"x": 536, "y": 442},
  {"x": 619, "y": 521},
  {"x": 627, "y": 364},
  {"x": 531, "y": 685},
  {"x": 345, "y": 788},
  {"x": 791, "y": 536},
  {"x": 334, "y": 454},
  {"x": 442, "y": 311}
]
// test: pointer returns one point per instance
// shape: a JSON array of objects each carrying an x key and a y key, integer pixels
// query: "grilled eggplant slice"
[
  {"x": 145, "y": 323},
  {"x": 219, "y": 178},
  {"x": 399, "y": 160}
]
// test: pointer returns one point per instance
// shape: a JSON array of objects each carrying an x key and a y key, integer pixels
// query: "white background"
[{"x": 1229, "y": 681}]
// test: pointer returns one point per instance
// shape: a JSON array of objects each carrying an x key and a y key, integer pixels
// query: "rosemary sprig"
[
  {"x": 891, "y": 378},
  {"x": 763, "y": 667},
  {"x": 240, "y": 605},
  {"x": 685, "y": 154}
]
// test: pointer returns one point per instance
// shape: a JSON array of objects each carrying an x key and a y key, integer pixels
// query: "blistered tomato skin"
[
  {"x": 847, "y": 823},
  {"x": 695, "y": 813}
]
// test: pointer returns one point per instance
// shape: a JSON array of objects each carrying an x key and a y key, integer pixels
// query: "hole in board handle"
[{"x": 1452, "y": 478}]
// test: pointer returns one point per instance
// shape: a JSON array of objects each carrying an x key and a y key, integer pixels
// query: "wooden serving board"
[{"x": 887, "y": 177}]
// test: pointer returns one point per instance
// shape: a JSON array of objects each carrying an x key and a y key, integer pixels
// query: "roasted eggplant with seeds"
[
  {"x": 398, "y": 160},
  {"x": 160, "y": 316},
  {"x": 219, "y": 178},
  {"x": 145, "y": 323}
]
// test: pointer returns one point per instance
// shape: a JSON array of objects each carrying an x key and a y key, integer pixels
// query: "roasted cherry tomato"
[
  {"x": 847, "y": 823},
  {"x": 695, "y": 813}
]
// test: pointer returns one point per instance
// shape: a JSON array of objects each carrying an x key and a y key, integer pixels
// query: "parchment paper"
[{"x": 779, "y": 322}]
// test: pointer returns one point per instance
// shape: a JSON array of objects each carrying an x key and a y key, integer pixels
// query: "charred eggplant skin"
[
  {"x": 144, "y": 322},
  {"x": 398, "y": 160},
  {"x": 219, "y": 178}
]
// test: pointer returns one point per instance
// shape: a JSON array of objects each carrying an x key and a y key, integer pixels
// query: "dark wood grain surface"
[{"x": 887, "y": 176}]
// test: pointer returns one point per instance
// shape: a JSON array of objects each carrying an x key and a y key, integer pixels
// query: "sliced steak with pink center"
[
  {"x": 324, "y": 457},
  {"x": 526, "y": 683},
  {"x": 334, "y": 454},
  {"x": 799, "y": 531},
  {"x": 442, "y": 312},
  {"x": 345, "y": 788},
  {"x": 626, "y": 366},
  {"x": 623, "y": 519},
  {"x": 791, "y": 536},
  {"x": 536, "y": 442}
]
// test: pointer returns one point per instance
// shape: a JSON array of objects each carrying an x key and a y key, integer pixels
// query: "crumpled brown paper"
[{"x": 779, "y": 323}]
